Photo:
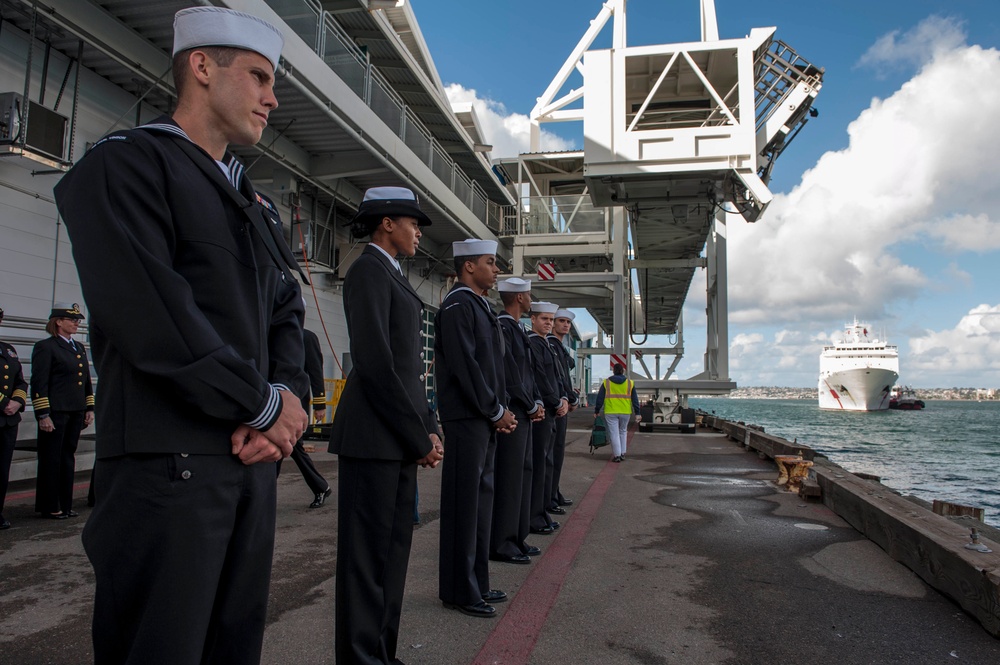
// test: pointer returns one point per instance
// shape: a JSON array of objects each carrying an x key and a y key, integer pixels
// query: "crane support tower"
[{"x": 676, "y": 139}]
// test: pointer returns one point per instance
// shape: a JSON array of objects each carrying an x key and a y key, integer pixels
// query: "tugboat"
[{"x": 904, "y": 398}]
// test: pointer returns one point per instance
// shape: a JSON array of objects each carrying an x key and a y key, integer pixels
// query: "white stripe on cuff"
[
  {"x": 270, "y": 409},
  {"x": 499, "y": 414}
]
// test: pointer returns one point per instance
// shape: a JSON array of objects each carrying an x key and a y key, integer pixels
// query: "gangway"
[{"x": 676, "y": 138}]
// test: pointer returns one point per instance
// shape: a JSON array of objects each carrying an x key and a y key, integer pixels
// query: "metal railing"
[
  {"x": 320, "y": 30},
  {"x": 342, "y": 55},
  {"x": 567, "y": 214}
]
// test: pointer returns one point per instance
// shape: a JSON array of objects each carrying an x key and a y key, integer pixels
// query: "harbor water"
[{"x": 949, "y": 451}]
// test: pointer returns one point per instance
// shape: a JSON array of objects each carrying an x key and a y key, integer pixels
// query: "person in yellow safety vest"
[{"x": 618, "y": 398}]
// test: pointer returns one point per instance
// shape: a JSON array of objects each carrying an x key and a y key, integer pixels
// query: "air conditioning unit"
[{"x": 45, "y": 132}]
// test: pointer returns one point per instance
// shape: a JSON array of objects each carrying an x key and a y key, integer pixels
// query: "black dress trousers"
[
  {"x": 541, "y": 449},
  {"x": 8, "y": 437},
  {"x": 558, "y": 454},
  {"x": 57, "y": 462},
  {"x": 314, "y": 479},
  {"x": 467, "y": 480},
  {"x": 512, "y": 450},
  {"x": 199, "y": 531},
  {"x": 524, "y": 520},
  {"x": 374, "y": 533}
]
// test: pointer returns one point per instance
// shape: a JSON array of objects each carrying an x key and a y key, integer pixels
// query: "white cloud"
[
  {"x": 785, "y": 357},
  {"x": 508, "y": 133},
  {"x": 919, "y": 168},
  {"x": 744, "y": 340},
  {"x": 918, "y": 46},
  {"x": 971, "y": 348},
  {"x": 967, "y": 233},
  {"x": 958, "y": 275}
]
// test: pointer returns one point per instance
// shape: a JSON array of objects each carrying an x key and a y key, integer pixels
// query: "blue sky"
[{"x": 887, "y": 206}]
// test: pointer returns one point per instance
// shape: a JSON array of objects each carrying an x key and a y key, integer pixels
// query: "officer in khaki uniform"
[{"x": 13, "y": 397}]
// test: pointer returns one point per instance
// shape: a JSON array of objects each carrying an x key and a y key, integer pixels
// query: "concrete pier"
[{"x": 687, "y": 552}]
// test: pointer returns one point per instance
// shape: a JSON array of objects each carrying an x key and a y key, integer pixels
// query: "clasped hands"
[
  {"x": 434, "y": 457},
  {"x": 253, "y": 446},
  {"x": 507, "y": 422}
]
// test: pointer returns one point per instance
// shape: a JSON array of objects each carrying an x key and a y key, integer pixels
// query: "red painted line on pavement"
[
  {"x": 517, "y": 631},
  {"x": 31, "y": 493}
]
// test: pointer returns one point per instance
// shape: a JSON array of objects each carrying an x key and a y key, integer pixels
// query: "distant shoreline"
[{"x": 791, "y": 393}]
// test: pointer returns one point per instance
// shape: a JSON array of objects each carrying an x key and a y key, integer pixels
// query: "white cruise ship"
[{"x": 857, "y": 373}]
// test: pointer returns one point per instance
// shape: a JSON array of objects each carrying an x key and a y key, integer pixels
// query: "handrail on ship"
[
  {"x": 318, "y": 28},
  {"x": 559, "y": 214}
]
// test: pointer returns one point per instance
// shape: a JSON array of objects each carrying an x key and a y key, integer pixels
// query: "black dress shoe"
[
  {"x": 510, "y": 558},
  {"x": 565, "y": 502},
  {"x": 480, "y": 609},
  {"x": 321, "y": 498},
  {"x": 555, "y": 525},
  {"x": 495, "y": 596},
  {"x": 543, "y": 531},
  {"x": 72, "y": 513},
  {"x": 55, "y": 516},
  {"x": 556, "y": 511},
  {"x": 4, "y": 524},
  {"x": 531, "y": 550}
]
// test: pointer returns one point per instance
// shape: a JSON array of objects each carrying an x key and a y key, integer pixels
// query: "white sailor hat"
[
  {"x": 473, "y": 247},
  {"x": 380, "y": 202},
  {"x": 218, "y": 26},
  {"x": 542, "y": 307},
  {"x": 565, "y": 314},
  {"x": 514, "y": 285}
]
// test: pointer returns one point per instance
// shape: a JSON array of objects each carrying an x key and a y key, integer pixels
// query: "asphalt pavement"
[{"x": 684, "y": 553}]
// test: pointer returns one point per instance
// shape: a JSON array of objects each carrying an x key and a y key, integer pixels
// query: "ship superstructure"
[{"x": 857, "y": 373}]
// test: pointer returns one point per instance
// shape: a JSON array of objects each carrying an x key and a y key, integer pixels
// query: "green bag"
[{"x": 599, "y": 435}]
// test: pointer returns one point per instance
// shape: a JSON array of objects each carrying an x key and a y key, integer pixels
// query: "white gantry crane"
[{"x": 676, "y": 138}]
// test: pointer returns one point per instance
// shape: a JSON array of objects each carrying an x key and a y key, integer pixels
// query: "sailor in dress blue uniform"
[
  {"x": 512, "y": 495},
  {"x": 469, "y": 374},
  {"x": 196, "y": 325}
]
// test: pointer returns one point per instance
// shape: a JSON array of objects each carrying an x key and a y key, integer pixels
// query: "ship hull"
[{"x": 861, "y": 389}]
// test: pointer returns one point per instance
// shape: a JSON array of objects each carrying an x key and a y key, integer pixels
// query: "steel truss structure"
[{"x": 677, "y": 138}]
